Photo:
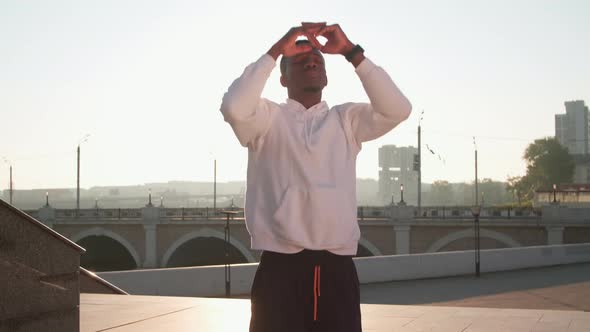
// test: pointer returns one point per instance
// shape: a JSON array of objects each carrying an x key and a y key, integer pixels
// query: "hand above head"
[
  {"x": 337, "y": 41},
  {"x": 286, "y": 46}
]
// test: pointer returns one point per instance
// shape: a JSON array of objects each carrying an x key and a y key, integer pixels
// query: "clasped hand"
[{"x": 336, "y": 40}]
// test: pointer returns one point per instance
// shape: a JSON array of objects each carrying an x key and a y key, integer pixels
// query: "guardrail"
[
  {"x": 181, "y": 281},
  {"x": 363, "y": 212},
  {"x": 459, "y": 212},
  {"x": 98, "y": 213}
]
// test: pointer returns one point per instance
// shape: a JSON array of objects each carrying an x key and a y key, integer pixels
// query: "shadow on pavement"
[{"x": 434, "y": 291}]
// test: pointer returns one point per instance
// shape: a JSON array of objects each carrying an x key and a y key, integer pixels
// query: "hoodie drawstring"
[
  {"x": 316, "y": 291},
  {"x": 308, "y": 131}
]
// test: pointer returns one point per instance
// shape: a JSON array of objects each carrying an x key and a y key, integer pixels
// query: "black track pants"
[{"x": 310, "y": 291}]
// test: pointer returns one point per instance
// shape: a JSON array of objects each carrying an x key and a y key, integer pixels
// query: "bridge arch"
[
  {"x": 206, "y": 233},
  {"x": 468, "y": 233},
  {"x": 370, "y": 247},
  {"x": 99, "y": 231}
]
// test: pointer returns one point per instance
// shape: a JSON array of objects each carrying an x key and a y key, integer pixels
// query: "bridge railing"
[
  {"x": 370, "y": 212},
  {"x": 449, "y": 212},
  {"x": 363, "y": 213},
  {"x": 98, "y": 213},
  {"x": 459, "y": 212},
  {"x": 196, "y": 213}
]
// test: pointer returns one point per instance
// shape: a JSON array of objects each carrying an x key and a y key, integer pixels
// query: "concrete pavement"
[
  {"x": 128, "y": 313},
  {"x": 546, "y": 299},
  {"x": 565, "y": 287}
]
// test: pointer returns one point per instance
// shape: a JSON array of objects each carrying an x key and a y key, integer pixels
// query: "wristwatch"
[{"x": 356, "y": 49}]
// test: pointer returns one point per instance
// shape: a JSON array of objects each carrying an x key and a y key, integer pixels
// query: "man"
[{"x": 301, "y": 194}]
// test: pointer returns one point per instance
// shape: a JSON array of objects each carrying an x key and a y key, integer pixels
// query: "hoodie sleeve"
[
  {"x": 388, "y": 106},
  {"x": 247, "y": 113}
]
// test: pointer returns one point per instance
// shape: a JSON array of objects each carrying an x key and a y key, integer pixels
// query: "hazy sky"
[{"x": 145, "y": 80}]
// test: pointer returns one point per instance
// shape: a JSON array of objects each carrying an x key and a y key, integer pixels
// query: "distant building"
[
  {"x": 582, "y": 169},
  {"x": 396, "y": 167},
  {"x": 572, "y": 129}
]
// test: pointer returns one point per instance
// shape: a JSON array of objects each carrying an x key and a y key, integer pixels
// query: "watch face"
[{"x": 356, "y": 49}]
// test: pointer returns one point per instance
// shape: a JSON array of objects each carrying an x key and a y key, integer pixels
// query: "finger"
[
  {"x": 312, "y": 28},
  {"x": 302, "y": 48},
  {"x": 311, "y": 25},
  {"x": 326, "y": 30},
  {"x": 295, "y": 33},
  {"x": 328, "y": 49},
  {"x": 313, "y": 40}
]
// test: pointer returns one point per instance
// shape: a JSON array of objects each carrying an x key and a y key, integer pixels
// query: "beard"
[{"x": 312, "y": 89}]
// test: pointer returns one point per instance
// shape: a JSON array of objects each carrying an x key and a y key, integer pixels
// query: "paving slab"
[
  {"x": 134, "y": 313},
  {"x": 564, "y": 287},
  {"x": 552, "y": 299}
]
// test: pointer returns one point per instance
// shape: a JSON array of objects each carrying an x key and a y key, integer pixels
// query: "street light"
[
  {"x": 227, "y": 267},
  {"x": 10, "y": 164},
  {"x": 149, "y": 204},
  {"x": 214, "y": 185},
  {"x": 214, "y": 181},
  {"x": 476, "y": 210},
  {"x": 420, "y": 163},
  {"x": 554, "y": 193},
  {"x": 476, "y": 192},
  {"x": 401, "y": 189},
  {"x": 82, "y": 140}
]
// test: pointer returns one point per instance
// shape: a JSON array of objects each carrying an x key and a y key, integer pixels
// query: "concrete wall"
[
  {"x": 576, "y": 234},
  {"x": 91, "y": 283},
  {"x": 38, "y": 276},
  {"x": 209, "y": 281},
  {"x": 446, "y": 264}
]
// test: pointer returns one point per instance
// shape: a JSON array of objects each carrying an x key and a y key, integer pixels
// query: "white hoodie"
[{"x": 301, "y": 186}]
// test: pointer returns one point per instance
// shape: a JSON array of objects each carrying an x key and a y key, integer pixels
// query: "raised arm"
[
  {"x": 242, "y": 107},
  {"x": 388, "y": 106}
]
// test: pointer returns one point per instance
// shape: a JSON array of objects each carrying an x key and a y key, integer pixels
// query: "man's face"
[{"x": 306, "y": 71}]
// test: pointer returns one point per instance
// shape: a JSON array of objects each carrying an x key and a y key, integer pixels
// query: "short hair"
[{"x": 285, "y": 59}]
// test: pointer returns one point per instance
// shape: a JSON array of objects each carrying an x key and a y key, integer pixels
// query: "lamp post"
[
  {"x": 420, "y": 163},
  {"x": 150, "y": 198},
  {"x": 401, "y": 189},
  {"x": 476, "y": 192},
  {"x": 227, "y": 267},
  {"x": 47, "y": 198},
  {"x": 10, "y": 184},
  {"x": 554, "y": 193},
  {"x": 82, "y": 140},
  {"x": 214, "y": 185},
  {"x": 476, "y": 211}
]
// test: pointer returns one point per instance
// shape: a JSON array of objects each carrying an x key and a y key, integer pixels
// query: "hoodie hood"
[{"x": 309, "y": 117}]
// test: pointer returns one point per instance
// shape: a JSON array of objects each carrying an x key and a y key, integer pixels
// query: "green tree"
[
  {"x": 515, "y": 186},
  {"x": 492, "y": 192},
  {"x": 441, "y": 193},
  {"x": 548, "y": 163}
]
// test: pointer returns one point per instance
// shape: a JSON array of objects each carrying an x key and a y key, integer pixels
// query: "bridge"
[
  {"x": 160, "y": 237},
  {"x": 45, "y": 278}
]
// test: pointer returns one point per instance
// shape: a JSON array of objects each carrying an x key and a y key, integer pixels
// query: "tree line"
[{"x": 547, "y": 163}]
